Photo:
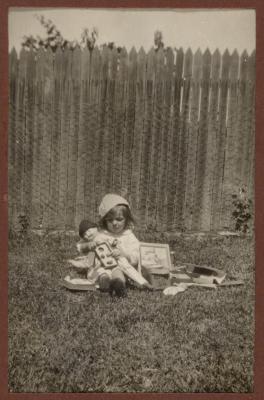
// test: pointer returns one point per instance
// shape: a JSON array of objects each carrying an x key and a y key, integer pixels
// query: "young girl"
[
  {"x": 115, "y": 229},
  {"x": 116, "y": 224}
]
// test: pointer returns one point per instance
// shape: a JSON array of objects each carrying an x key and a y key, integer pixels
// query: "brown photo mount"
[{"x": 104, "y": 253}]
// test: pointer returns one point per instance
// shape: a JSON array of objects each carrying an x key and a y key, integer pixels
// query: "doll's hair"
[
  {"x": 126, "y": 212},
  {"x": 85, "y": 224}
]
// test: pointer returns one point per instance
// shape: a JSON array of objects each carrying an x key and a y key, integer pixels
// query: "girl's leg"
[
  {"x": 104, "y": 279},
  {"x": 118, "y": 282}
]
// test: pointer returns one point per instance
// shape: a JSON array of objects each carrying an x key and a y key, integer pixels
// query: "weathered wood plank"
[
  {"x": 74, "y": 110},
  {"x": 174, "y": 139},
  {"x": 94, "y": 183},
  {"x": 232, "y": 136},
  {"x": 29, "y": 131},
  {"x": 140, "y": 93},
  {"x": 121, "y": 148},
  {"x": 213, "y": 125},
  {"x": 147, "y": 139},
  {"x": 183, "y": 143},
  {"x": 13, "y": 87},
  {"x": 46, "y": 173},
  {"x": 250, "y": 173},
  {"x": 156, "y": 139},
  {"x": 20, "y": 134},
  {"x": 129, "y": 72},
  {"x": 37, "y": 208},
  {"x": 83, "y": 149},
  {"x": 221, "y": 144},
  {"x": 189, "y": 212},
  {"x": 247, "y": 151},
  {"x": 162, "y": 198},
  {"x": 202, "y": 205},
  {"x": 64, "y": 136}
]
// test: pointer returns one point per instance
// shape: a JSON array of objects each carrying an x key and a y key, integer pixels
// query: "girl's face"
[{"x": 116, "y": 222}]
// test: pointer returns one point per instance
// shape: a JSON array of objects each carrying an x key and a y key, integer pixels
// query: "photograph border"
[{"x": 258, "y": 5}]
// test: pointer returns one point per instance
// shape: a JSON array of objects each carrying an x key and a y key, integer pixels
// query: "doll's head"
[{"x": 87, "y": 230}]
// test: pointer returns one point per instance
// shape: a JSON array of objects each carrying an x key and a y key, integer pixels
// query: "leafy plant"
[
  {"x": 54, "y": 38},
  {"x": 243, "y": 211}
]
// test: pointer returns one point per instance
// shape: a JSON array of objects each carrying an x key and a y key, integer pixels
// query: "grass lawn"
[{"x": 200, "y": 340}]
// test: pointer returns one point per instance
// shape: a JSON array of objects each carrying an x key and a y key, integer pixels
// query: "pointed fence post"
[
  {"x": 128, "y": 71},
  {"x": 66, "y": 94},
  {"x": 174, "y": 139},
  {"x": 147, "y": 139},
  {"x": 249, "y": 125},
  {"x": 250, "y": 171},
  {"x": 73, "y": 133},
  {"x": 221, "y": 144},
  {"x": 156, "y": 139},
  {"x": 140, "y": 93},
  {"x": 229, "y": 181},
  {"x": 58, "y": 62},
  {"x": 203, "y": 165},
  {"x": 13, "y": 88},
  {"x": 165, "y": 160},
  {"x": 20, "y": 134},
  {"x": 83, "y": 151},
  {"x": 183, "y": 143},
  {"x": 189, "y": 207},
  {"x": 121, "y": 148}
]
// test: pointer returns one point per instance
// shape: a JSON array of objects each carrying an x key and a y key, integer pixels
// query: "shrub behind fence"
[{"x": 175, "y": 134}]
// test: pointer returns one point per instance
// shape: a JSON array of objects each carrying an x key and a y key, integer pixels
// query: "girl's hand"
[
  {"x": 91, "y": 245},
  {"x": 116, "y": 253}
]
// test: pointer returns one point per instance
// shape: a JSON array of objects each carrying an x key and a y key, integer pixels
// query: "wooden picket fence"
[{"x": 174, "y": 133}]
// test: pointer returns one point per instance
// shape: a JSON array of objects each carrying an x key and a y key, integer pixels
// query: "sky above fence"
[{"x": 232, "y": 29}]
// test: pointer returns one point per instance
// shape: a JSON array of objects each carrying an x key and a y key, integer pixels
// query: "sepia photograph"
[{"x": 131, "y": 150}]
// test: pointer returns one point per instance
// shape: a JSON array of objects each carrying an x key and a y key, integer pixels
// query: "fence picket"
[
  {"x": 94, "y": 183},
  {"x": 229, "y": 182},
  {"x": 83, "y": 150},
  {"x": 166, "y": 140},
  {"x": 64, "y": 136},
  {"x": 73, "y": 132},
  {"x": 174, "y": 140},
  {"x": 250, "y": 171},
  {"x": 140, "y": 84},
  {"x": 202, "y": 207},
  {"x": 183, "y": 142},
  {"x": 248, "y": 132},
  {"x": 189, "y": 214},
  {"x": 147, "y": 136},
  {"x": 122, "y": 148},
  {"x": 156, "y": 142},
  {"x": 13, "y": 87},
  {"x": 221, "y": 143},
  {"x": 20, "y": 135}
]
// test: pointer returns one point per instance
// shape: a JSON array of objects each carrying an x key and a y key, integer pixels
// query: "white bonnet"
[{"x": 109, "y": 201}]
